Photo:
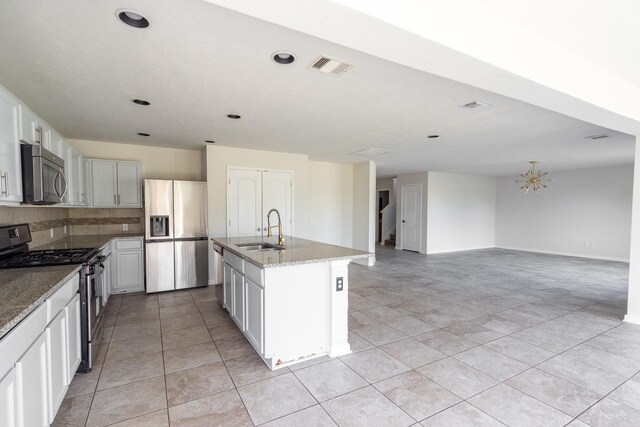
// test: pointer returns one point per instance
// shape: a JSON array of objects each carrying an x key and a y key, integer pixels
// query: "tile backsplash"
[
  {"x": 105, "y": 221},
  {"x": 48, "y": 223}
]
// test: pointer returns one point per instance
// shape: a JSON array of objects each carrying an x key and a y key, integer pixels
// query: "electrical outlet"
[
  {"x": 125, "y": 227},
  {"x": 51, "y": 232},
  {"x": 339, "y": 284},
  {"x": 65, "y": 229}
]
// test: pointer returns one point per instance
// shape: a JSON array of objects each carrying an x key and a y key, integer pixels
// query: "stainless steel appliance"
[
  {"x": 176, "y": 250},
  {"x": 15, "y": 253},
  {"x": 43, "y": 178}
]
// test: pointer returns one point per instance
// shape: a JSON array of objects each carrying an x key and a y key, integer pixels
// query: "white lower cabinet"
[
  {"x": 57, "y": 358},
  {"x": 255, "y": 314},
  {"x": 33, "y": 390},
  {"x": 38, "y": 359},
  {"x": 238, "y": 299},
  {"x": 73, "y": 336},
  {"x": 128, "y": 265},
  {"x": 228, "y": 288},
  {"x": 9, "y": 399}
]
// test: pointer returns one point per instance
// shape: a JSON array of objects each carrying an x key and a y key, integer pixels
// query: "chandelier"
[{"x": 533, "y": 179}]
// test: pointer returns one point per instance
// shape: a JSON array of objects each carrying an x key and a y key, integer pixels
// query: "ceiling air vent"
[
  {"x": 477, "y": 105},
  {"x": 371, "y": 152},
  {"x": 599, "y": 136},
  {"x": 330, "y": 66}
]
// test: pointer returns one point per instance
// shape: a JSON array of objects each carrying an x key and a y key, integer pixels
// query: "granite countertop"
[
  {"x": 22, "y": 290},
  {"x": 88, "y": 241},
  {"x": 297, "y": 251}
]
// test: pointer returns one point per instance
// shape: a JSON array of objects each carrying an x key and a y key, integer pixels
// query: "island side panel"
[
  {"x": 339, "y": 318},
  {"x": 297, "y": 312}
]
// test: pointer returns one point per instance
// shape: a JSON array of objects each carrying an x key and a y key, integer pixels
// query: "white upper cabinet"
[
  {"x": 129, "y": 184},
  {"x": 116, "y": 183},
  {"x": 10, "y": 177},
  {"x": 105, "y": 184},
  {"x": 27, "y": 125},
  {"x": 75, "y": 174}
]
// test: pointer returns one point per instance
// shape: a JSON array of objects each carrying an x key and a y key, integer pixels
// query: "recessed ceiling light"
[
  {"x": 233, "y": 116},
  {"x": 283, "y": 57},
  {"x": 143, "y": 134},
  {"x": 141, "y": 102},
  {"x": 433, "y": 136},
  {"x": 131, "y": 18},
  {"x": 209, "y": 141}
]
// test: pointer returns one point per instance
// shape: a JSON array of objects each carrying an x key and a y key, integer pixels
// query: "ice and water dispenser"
[{"x": 159, "y": 225}]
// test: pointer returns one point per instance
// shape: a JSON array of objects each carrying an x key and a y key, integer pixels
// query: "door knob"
[{"x": 403, "y": 220}]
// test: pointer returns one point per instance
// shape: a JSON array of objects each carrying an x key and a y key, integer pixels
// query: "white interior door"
[
  {"x": 244, "y": 203},
  {"x": 411, "y": 217},
  {"x": 276, "y": 193}
]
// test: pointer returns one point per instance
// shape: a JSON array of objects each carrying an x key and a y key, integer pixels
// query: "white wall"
[
  {"x": 157, "y": 162},
  {"x": 587, "y": 205},
  {"x": 633, "y": 300},
  {"x": 364, "y": 209},
  {"x": 413, "y": 178},
  {"x": 461, "y": 212},
  {"x": 331, "y": 203}
]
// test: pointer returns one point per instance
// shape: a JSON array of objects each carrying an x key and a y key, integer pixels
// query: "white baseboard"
[
  {"x": 632, "y": 319},
  {"x": 564, "y": 254},
  {"x": 340, "y": 350},
  {"x": 368, "y": 261},
  {"x": 460, "y": 250}
]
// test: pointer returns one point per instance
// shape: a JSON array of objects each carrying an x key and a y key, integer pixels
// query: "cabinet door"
[
  {"x": 27, "y": 125},
  {"x": 104, "y": 182},
  {"x": 244, "y": 203},
  {"x": 57, "y": 347},
  {"x": 73, "y": 336},
  {"x": 9, "y": 400},
  {"x": 254, "y": 316},
  {"x": 32, "y": 378},
  {"x": 238, "y": 299},
  {"x": 228, "y": 288},
  {"x": 129, "y": 184},
  {"x": 65, "y": 154},
  {"x": 10, "y": 177},
  {"x": 128, "y": 271},
  {"x": 276, "y": 193},
  {"x": 77, "y": 178}
]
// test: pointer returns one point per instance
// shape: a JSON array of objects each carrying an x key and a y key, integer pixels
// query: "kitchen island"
[{"x": 291, "y": 303}]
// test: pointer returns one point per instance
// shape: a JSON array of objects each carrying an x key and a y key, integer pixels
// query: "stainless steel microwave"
[{"x": 43, "y": 178}]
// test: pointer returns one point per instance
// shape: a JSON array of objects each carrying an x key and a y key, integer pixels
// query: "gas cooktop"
[
  {"x": 48, "y": 257},
  {"x": 14, "y": 251}
]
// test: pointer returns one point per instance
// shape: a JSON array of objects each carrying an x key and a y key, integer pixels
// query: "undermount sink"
[{"x": 260, "y": 246}]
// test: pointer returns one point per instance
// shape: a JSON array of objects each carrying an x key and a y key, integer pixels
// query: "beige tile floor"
[{"x": 477, "y": 338}]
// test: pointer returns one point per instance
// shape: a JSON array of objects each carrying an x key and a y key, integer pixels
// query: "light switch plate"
[{"x": 125, "y": 227}]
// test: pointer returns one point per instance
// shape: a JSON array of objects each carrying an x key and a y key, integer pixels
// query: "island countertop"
[{"x": 297, "y": 251}]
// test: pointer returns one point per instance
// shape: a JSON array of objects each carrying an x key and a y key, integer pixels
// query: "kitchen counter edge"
[{"x": 343, "y": 253}]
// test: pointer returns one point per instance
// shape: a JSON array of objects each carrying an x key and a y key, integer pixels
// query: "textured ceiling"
[{"x": 79, "y": 67}]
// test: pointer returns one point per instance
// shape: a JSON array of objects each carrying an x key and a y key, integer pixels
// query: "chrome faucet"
[{"x": 269, "y": 227}]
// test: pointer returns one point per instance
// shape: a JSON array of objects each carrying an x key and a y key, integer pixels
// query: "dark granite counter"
[
  {"x": 89, "y": 241},
  {"x": 22, "y": 290},
  {"x": 297, "y": 251}
]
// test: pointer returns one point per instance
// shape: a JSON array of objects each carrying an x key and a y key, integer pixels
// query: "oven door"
[{"x": 95, "y": 284}]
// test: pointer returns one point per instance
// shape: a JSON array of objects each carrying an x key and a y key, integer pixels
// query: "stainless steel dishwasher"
[{"x": 218, "y": 272}]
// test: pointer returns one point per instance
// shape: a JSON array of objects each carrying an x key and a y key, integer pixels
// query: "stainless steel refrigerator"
[{"x": 176, "y": 249}]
